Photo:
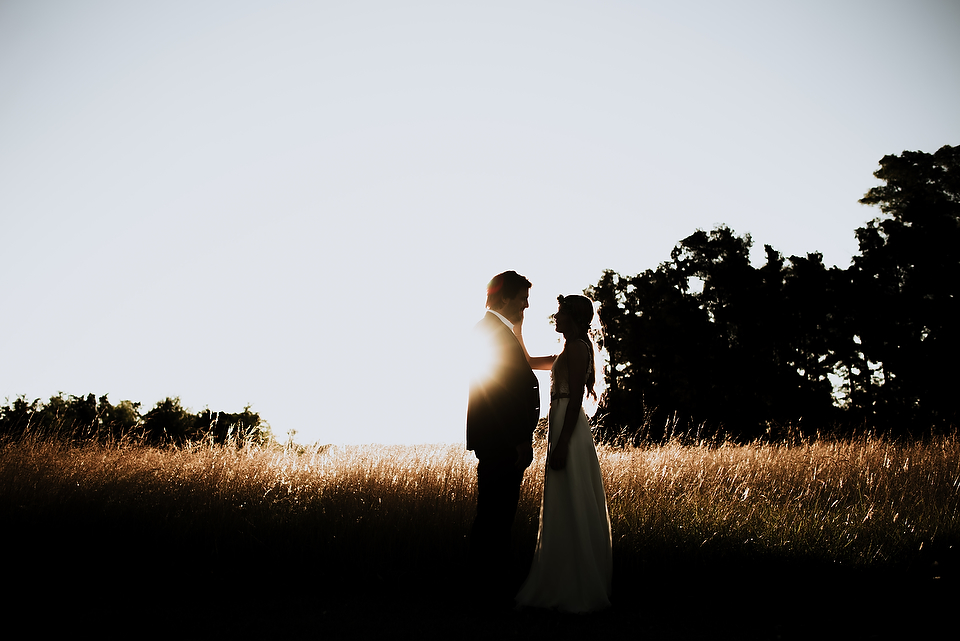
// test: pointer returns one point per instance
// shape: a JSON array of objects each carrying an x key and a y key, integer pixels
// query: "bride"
[{"x": 572, "y": 565}]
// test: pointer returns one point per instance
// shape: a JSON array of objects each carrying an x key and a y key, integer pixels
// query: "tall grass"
[{"x": 865, "y": 502}]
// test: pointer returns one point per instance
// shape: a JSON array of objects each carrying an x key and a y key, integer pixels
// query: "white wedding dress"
[{"x": 573, "y": 562}]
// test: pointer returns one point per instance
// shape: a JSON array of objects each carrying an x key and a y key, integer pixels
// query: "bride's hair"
[{"x": 580, "y": 310}]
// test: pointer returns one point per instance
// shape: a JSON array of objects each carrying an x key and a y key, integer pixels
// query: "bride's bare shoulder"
[{"x": 577, "y": 349}]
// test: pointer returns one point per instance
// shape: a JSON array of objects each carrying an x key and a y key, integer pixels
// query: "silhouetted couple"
[{"x": 572, "y": 563}]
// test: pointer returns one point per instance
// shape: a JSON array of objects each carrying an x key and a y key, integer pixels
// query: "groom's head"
[{"x": 507, "y": 294}]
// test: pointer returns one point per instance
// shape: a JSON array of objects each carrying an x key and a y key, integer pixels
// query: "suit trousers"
[{"x": 498, "y": 493}]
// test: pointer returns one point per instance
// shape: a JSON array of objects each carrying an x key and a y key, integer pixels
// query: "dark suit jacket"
[{"x": 504, "y": 406}]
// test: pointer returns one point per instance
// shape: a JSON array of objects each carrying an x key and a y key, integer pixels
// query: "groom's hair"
[{"x": 505, "y": 285}]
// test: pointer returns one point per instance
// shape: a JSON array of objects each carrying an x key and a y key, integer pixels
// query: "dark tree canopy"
[
  {"x": 79, "y": 418},
  {"x": 707, "y": 341},
  {"x": 905, "y": 285}
]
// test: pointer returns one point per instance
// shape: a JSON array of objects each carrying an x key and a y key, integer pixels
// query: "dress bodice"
[{"x": 560, "y": 374}]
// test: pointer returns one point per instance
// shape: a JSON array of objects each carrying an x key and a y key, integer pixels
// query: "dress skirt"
[{"x": 573, "y": 562}]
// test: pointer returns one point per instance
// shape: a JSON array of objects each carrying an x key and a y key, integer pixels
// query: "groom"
[{"x": 502, "y": 413}]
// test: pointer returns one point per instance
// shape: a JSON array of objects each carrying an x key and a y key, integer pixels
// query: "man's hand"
[{"x": 524, "y": 456}]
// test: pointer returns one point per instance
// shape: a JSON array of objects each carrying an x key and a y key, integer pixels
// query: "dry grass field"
[{"x": 363, "y": 539}]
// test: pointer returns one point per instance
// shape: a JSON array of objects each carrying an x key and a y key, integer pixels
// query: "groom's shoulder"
[
  {"x": 492, "y": 331},
  {"x": 488, "y": 322}
]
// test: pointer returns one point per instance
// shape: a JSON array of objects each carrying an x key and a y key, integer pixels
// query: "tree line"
[
  {"x": 168, "y": 423},
  {"x": 706, "y": 342}
]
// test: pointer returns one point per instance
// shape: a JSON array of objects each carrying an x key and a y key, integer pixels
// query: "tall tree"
[
  {"x": 655, "y": 335},
  {"x": 906, "y": 281},
  {"x": 707, "y": 341}
]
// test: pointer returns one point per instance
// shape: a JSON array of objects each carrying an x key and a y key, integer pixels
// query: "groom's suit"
[{"x": 502, "y": 413}]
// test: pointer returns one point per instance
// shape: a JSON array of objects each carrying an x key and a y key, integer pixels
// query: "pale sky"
[{"x": 297, "y": 205}]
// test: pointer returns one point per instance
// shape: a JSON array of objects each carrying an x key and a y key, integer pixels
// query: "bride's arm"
[
  {"x": 578, "y": 359},
  {"x": 541, "y": 362},
  {"x": 536, "y": 362}
]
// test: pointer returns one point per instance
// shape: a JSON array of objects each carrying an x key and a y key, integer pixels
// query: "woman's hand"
[
  {"x": 518, "y": 327},
  {"x": 557, "y": 457},
  {"x": 536, "y": 362}
]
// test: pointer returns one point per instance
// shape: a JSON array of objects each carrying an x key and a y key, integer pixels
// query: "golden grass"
[{"x": 863, "y": 501}]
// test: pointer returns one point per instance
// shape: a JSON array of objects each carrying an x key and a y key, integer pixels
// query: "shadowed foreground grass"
[{"x": 358, "y": 541}]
